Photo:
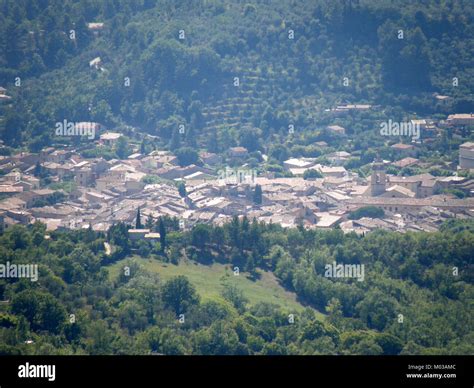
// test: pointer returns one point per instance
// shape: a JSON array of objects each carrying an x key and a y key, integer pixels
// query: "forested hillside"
[
  {"x": 411, "y": 302},
  {"x": 165, "y": 63}
]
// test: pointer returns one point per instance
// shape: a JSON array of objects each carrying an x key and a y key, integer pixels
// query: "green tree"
[
  {"x": 200, "y": 236},
  {"x": 100, "y": 338},
  {"x": 122, "y": 148},
  {"x": 143, "y": 147},
  {"x": 138, "y": 220},
  {"x": 219, "y": 339},
  {"x": 162, "y": 231},
  {"x": 182, "y": 189},
  {"x": 38, "y": 170},
  {"x": 179, "y": 295},
  {"x": 367, "y": 211},
  {"x": 377, "y": 309},
  {"x": 41, "y": 309},
  {"x": 312, "y": 174},
  {"x": 213, "y": 141},
  {"x": 257, "y": 195},
  {"x": 187, "y": 156},
  {"x": 132, "y": 316},
  {"x": 235, "y": 296},
  {"x": 175, "y": 142}
]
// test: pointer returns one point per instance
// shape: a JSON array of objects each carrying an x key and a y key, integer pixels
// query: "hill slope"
[{"x": 292, "y": 59}]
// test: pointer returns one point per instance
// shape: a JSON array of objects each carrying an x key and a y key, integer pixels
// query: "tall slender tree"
[
  {"x": 257, "y": 195},
  {"x": 182, "y": 189},
  {"x": 162, "y": 231},
  {"x": 138, "y": 222}
]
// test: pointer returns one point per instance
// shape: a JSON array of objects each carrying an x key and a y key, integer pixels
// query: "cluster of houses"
[{"x": 104, "y": 192}]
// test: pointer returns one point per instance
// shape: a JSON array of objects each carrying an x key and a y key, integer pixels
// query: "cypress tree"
[
  {"x": 138, "y": 223},
  {"x": 162, "y": 231},
  {"x": 257, "y": 196}
]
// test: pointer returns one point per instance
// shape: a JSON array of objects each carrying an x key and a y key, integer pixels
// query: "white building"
[{"x": 461, "y": 119}]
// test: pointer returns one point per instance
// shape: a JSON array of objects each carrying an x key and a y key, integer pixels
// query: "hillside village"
[
  {"x": 109, "y": 191},
  {"x": 270, "y": 178}
]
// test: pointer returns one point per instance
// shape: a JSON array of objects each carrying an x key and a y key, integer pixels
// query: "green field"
[{"x": 210, "y": 279}]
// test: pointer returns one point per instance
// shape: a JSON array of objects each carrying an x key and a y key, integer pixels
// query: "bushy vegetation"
[
  {"x": 366, "y": 211},
  {"x": 138, "y": 313}
]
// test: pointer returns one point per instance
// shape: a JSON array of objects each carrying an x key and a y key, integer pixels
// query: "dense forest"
[
  {"x": 416, "y": 297},
  {"x": 233, "y": 73}
]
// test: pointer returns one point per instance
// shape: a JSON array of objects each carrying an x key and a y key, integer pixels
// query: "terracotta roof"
[{"x": 384, "y": 201}]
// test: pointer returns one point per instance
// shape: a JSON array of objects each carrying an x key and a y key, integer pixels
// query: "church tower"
[{"x": 378, "y": 180}]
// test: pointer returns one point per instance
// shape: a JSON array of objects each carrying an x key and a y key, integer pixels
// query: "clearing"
[{"x": 210, "y": 279}]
